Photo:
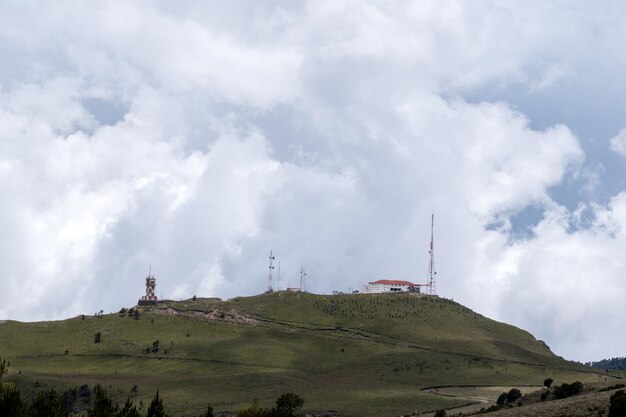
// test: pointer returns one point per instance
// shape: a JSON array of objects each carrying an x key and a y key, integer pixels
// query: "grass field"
[{"x": 362, "y": 355}]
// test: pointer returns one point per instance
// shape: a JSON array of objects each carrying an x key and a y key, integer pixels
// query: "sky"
[{"x": 194, "y": 137}]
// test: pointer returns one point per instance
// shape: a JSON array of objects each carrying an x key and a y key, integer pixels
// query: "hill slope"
[{"x": 363, "y": 355}]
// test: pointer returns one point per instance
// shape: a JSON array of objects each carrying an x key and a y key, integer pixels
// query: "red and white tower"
[{"x": 150, "y": 297}]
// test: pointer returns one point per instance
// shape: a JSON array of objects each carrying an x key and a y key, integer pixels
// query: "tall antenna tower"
[
  {"x": 302, "y": 280},
  {"x": 432, "y": 281},
  {"x": 269, "y": 278},
  {"x": 278, "y": 278}
]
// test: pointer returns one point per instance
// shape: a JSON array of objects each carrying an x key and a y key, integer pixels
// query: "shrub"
[
  {"x": 288, "y": 404},
  {"x": 501, "y": 399},
  {"x": 513, "y": 395},
  {"x": 97, "y": 337},
  {"x": 548, "y": 382},
  {"x": 617, "y": 407},
  {"x": 440, "y": 413},
  {"x": 567, "y": 390}
]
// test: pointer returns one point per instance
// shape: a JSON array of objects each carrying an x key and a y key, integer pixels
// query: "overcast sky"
[{"x": 196, "y": 138}]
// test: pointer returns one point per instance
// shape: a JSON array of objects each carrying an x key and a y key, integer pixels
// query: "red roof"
[{"x": 393, "y": 282}]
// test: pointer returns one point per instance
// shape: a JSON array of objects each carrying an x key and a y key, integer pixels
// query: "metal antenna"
[
  {"x": 432, "y": 281},
  {"x": 269, "y": 284},
  {"x": 302, "y": 280},
  {"x": 278, "y": 278}
]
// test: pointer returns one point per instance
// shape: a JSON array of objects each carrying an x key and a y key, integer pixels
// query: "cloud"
[
  {"x": 196, "y": 138},
  {"x": 618, "y": 143}
]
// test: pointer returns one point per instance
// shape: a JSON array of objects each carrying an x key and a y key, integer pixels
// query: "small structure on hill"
[
  {"x": 150, "y": 298},
  {"x": 389, "y": 285}
]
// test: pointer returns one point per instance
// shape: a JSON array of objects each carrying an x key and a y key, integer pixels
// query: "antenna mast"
[
  {"x": 278, "y": 278},
  {"x": 432, "y": 281},
  {"x": 269, "y": 279},
  {"x": 302, "y": 280}
]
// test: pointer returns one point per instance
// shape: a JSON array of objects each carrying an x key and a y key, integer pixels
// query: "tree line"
[{"x": 53, "y": 404}]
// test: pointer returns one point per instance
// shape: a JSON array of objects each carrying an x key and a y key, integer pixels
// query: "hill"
[{"x": 362, "y": 355}]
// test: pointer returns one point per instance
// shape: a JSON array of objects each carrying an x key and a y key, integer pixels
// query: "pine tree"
[
  {"x": 129, "y": 410},
  {"x": 156, "y": 407},
  {"x": 102, "y": 404},
  {"x": 208, "y": 412}
]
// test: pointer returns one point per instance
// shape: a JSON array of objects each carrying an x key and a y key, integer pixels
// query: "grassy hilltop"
[{"x": 363, "y": 355}]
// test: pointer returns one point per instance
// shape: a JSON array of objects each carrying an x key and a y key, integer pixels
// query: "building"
[
  {"x": 149, "y": 298},
  {"x": 389, "y": 285}
]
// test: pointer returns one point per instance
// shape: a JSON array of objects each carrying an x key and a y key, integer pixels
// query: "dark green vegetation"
[
  {"x": 618, "y": 404},
  {"x": 618, "y": 364},
  {"x": 51, "y": 404},
  {"x": 363, "y": 355}
]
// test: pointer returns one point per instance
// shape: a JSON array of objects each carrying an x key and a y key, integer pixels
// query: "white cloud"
[
  {"x": 618, "y": 143},
  {"x": 327, "y": 131}
]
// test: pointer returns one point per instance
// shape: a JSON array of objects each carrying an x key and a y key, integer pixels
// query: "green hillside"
[{"x": 362, "y": 355}]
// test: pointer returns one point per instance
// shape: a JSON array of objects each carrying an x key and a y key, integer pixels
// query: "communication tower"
[
  {"x": 269, "y": 278},
  {"x": 278, "y": 277},
  {"x": 150, "y": 297},
  {"x": 302, "y": 279},
  {"x": 432, "y": 278}
]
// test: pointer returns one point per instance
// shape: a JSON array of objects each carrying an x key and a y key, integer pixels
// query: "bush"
[
  {"x": 288, "y": 404},
  {"x": 441, "y": 413},
  {"x": 548, "y": 382},
  {"x": 501, "y": 399},
  {"x": 567, "y": 390},
  {"x": 97, "y": 337},
  {"x": 617, "y": 407},
  {"x": 513, "y": 395}
]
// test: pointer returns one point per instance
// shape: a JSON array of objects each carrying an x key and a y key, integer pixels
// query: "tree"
[
  {"x": 129, "y": 410},
  {"x": 209, "y": 411},
  {"x": 97, "y": 337},
  {"x": 11, "y": 403},
  {"x": 102, "y": 404},
  {"x": 4, "y": 367},
  {"x": 47, "y": 404},
  {"x": 548, "y": 382},
  {"x": 618, "y": 404},
  {"x": 501, "y": 399},
  {"x": 288, "y": 404},
  {"x": 156, "y": 407},
  {"x": 155, "y": 346}
]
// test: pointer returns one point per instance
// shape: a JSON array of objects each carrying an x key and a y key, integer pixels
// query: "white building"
[{"x": 389, "y": 285}]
